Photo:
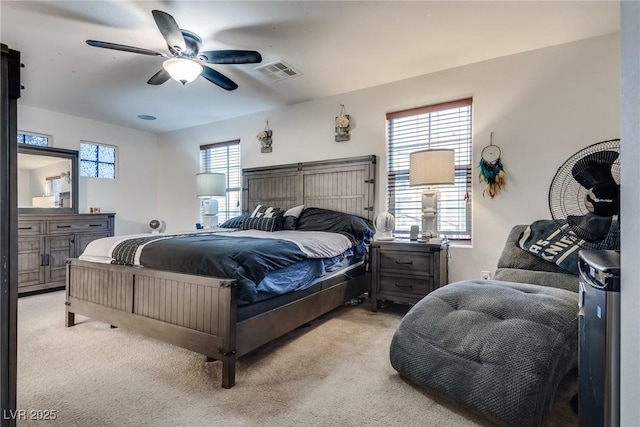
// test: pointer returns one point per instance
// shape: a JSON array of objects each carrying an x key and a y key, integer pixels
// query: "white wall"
[
  {"x": 543, "y": 106},
  {"x": 630, "y": 290},
  {"x": 132, "y": 195}
]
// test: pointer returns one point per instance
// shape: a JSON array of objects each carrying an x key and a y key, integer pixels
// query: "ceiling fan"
[{"x": 187, "y": 61}]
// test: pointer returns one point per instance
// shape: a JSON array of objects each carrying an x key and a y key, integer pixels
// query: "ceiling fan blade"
[
  {"x": 159, "y": 77},
  {"x": 595, "y": 169},
  {"x": 219, "y": 79},
  {"x": 170, "y": 30},
  {"x": 132, "y": 49},
  {"x": 590, "y": 228},
  {"x": 230, "y": 57}
]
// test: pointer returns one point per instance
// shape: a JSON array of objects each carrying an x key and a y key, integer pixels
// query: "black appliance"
[{"x": 599, "y": 338}]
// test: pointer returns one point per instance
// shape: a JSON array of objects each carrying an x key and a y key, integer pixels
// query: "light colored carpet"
[{"x": 334, "y": 373}]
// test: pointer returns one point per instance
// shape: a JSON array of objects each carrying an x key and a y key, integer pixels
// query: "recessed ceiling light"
[{"x": 146, "y": 117}]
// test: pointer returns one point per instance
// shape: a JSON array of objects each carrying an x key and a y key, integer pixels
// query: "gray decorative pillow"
[
  {"x": 262, "y": 223},
  {"x": 265, "y": 218},
  {"x": 291, "y": 217},
  {"x": 235, "y": 222}
]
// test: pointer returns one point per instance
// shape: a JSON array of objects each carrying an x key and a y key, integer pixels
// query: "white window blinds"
[
  {"x": 224, "y": 157},
  {"x": 441, "y": 126}
]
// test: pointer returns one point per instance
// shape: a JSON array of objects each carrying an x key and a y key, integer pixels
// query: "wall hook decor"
[
  {"x": 342, "y": 125},
  {"x": 264, "y": 136},
  {"x": 491, "y": 169}
]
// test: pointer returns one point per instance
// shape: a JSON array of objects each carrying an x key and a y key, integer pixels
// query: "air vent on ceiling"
[{"x": 278, "y": 70}]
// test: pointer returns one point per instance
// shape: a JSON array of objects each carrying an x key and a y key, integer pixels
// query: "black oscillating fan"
[{"x": 584, "y": 197}]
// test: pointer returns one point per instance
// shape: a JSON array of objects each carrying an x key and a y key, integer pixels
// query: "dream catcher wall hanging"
[{"x": 491, "y": 169}]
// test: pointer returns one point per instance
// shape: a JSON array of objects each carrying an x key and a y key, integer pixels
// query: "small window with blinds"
[
  {"x": 440, "y": 126},
  {"x": 223, "y": 157}
]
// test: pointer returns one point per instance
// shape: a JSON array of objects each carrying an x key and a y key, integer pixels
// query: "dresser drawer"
[
  {"x": 29, "y": 227},
  {"x": 418, "y": 286},
  {"x": 77, "y": 225},
  {"x": 410, "y": 262}
]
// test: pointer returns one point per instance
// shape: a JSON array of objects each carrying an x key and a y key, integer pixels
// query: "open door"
[{"x": 9, "y": 94}]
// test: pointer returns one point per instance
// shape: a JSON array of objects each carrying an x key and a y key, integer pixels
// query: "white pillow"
[
  {"x": 291, "y": 217},
  {"x": 265, "y": 212},
  {"x": 295, "y": 211}
]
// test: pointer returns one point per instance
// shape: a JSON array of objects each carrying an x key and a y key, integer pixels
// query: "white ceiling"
[{"x": 338, "y": 46}]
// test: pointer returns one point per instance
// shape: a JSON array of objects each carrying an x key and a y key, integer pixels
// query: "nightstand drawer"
[
  {"x": 409, "y": 262},
  {"x": 419, "y": 286}
]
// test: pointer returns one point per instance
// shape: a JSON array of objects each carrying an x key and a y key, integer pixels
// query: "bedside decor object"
[
  {"x": 264, "y": 136},
  {"x": 157, "y": 226},
  {"x": 384, "y": 223},
  {"x": 210, "y": 185},
  {"x": 431, "y": 167},
  {"x": 414, "y": 232},
  {"x": 342, "y": 125},
  {"x": 491, "y": 169}
]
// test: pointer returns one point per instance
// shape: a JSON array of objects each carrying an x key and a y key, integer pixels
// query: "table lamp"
[
  {"x": 210, "y": 185},
  {"x": 431, "y": 167}
]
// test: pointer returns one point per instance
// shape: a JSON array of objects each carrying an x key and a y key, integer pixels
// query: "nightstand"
[{"x": 405, "y": 271}]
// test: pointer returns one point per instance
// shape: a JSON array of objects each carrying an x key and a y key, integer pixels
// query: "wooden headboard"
[{"x": 344, "y": 185}]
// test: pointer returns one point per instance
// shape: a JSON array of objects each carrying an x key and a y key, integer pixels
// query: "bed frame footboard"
[{"x": 193, "y": 312}]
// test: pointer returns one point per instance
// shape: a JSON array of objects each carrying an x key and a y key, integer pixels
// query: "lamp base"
[{"x": 430, "y": 215}]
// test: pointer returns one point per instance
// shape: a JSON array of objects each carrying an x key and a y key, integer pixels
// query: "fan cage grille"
[{"x": 567, "y": 196}]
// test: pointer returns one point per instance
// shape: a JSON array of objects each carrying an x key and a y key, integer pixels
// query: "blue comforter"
[{"x": 245, "y": 259}]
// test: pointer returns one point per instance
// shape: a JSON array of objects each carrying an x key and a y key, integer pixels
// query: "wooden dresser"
[
  {"x": 46, "y": 241},
  {"x": 405, "y": 271}
]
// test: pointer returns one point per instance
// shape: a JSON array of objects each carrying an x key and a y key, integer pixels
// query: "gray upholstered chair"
[{"x": 499, "y": 347}]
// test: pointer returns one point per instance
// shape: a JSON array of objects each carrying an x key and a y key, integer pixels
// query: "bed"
[{"x": 203, "y": 313}]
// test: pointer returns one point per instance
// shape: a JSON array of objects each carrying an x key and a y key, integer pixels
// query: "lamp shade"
[
  {"x": 432, "y": 167},
  {"x": 183, "y": 70},
  {"x": 211, "y": 184}
]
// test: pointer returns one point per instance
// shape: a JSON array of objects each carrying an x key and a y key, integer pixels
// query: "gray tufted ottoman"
[{"x": 499, "y": 348}]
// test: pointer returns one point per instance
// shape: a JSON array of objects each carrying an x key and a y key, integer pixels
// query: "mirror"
[{"x": 47, "y": 180}]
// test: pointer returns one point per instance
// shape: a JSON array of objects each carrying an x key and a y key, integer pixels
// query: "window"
[
  {"x": 54, "y": 187},
  {"x": 97, "y": 160},
  {"x": 441, "y": 126},
  {"x": 33, "y": 139},
  {"x": 224, "y": 157}
]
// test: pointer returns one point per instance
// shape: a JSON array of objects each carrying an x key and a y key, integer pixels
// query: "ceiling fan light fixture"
[{"x": 182, "y": 70}]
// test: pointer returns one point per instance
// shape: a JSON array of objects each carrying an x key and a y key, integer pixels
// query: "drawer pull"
[
  {"x": 25, "y": 228},
  {"x": 404, "y": 262},
  {"x": 63, "y": 226},
  {"x": 95, "y": 225},
  {"x": 398, "y": 285}
]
